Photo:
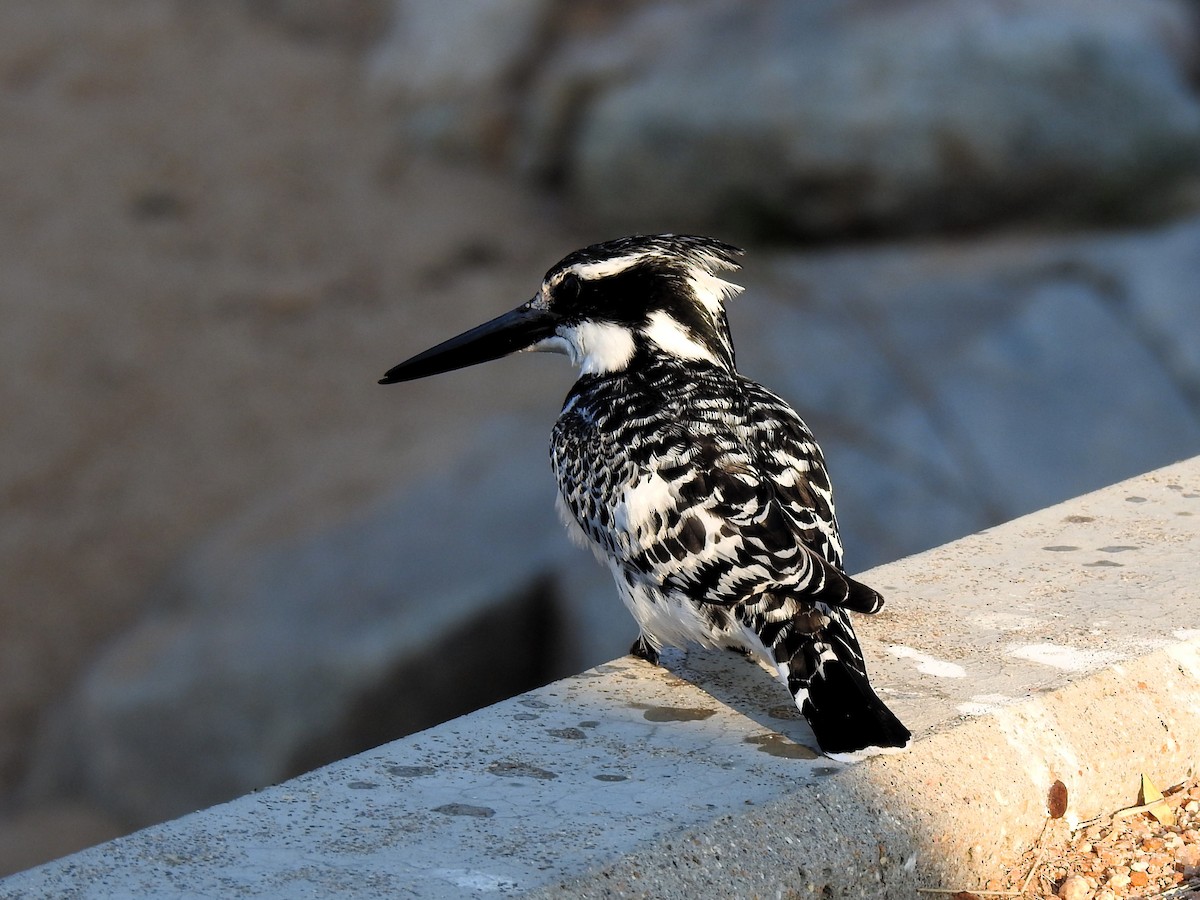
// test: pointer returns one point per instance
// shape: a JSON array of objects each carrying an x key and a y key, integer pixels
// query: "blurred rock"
[
  {"x": 273, "y": 659},
  {"x": 1063, "y": 383},
  {"x": 32, "y": 837},
  {"x": 448, "y": 70},
  {"x": 354, "y": 23},
  {"x": 1150, "y": 282},
  {"x": 866, "y": 117}
]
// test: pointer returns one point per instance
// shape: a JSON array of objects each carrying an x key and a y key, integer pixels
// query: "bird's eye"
[{"x": 569, "y": 288}]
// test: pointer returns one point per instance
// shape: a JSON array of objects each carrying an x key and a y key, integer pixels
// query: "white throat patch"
[{"x": 595, "y": 347}]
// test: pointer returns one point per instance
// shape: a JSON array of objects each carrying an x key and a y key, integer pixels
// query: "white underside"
[
  {"x": 577, "y": 534},
  {"x": 664, "y": 621},
  {"x": 670, "y": 621}
]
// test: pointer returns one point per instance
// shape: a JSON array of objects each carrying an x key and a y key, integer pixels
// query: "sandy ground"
[{"x": 208, "y": 255}]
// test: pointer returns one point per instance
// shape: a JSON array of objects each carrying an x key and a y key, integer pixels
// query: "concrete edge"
[
  {"x": 935, "y": 816},
  {"x": 1060, "y": 646}
]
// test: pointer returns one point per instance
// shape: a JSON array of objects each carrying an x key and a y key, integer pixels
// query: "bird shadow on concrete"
[{"x": 749, "y": 688}]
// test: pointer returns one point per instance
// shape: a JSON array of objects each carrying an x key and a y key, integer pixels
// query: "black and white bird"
[{"x": 702, "y": 491}]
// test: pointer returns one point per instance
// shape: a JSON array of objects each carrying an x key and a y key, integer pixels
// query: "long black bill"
[{"x": 516, "y": 330}]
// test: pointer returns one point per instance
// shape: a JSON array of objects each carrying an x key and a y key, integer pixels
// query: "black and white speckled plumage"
[{"x": 703, "y": 492}]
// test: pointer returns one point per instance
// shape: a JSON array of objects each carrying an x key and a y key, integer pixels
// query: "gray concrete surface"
[{"x": 1064, "y": 645}]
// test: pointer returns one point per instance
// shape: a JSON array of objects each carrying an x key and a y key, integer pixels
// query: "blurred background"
[{"x": 228, "y": 556}]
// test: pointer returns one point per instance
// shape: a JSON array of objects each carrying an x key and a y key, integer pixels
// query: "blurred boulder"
[
  {"x": 352, "y": 23},
  {"x": 1065, "y": 382},
  {"x": 840, "y": 118},
  {"x": 1150, "y": 280},
  {"x": 448, "y": 71},
  {"x": 815, "y": 120},
  {"x": 269, "y": 659},
  {"x": 30, "y": 837}
]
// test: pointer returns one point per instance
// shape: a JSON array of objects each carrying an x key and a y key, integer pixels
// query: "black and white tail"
[{"x": 828, "y": 679}]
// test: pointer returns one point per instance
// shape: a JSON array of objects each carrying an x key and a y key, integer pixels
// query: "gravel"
[{"x": 1114, "y": 856}]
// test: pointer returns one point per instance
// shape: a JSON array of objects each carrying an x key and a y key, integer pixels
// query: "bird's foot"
[{"x": 643, "y": 649}]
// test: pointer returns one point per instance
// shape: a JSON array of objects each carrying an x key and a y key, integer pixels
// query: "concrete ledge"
[{"x": 1064, "y": 645}]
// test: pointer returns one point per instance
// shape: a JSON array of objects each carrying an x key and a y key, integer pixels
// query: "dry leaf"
[
  {"x": 1056, "y": 802},
  {"x": 1160, "y": 810}
]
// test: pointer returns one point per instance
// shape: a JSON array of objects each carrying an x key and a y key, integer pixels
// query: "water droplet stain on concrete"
[
  {"x": 411, "y": 771},
  {"x": 465, "y": 809},
  {"x": 776, "y": 744},
  {"x": 512, "y": 769},
  {"x": 784, "y": 711},
  {"x": 676, "y": 714}
]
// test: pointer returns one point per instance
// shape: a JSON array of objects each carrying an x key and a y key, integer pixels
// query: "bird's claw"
[{"x": 643, "y": 649}]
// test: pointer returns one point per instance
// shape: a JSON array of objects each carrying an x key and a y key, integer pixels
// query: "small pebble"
[
  {"x": 1075, "y": 887},
  {"x": 1188, "y": 855}
]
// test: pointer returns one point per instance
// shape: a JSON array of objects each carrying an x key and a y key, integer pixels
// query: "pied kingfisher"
[{"x": 702, "y": 491}]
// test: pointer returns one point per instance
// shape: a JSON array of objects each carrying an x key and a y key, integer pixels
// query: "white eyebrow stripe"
[{"x": 607, "y": 267}]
